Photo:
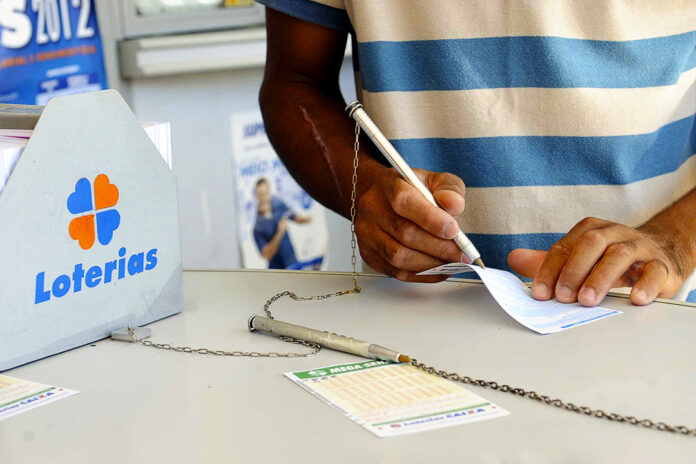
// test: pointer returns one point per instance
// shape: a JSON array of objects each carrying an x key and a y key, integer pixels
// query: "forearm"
[
  {"x": 676, "y": 227},
  {"x": 271, "y": 248},
  {"x": 315, "y": 139},
  {"x": 398, "y": 231},
  {"x": 298, "y": 218}
]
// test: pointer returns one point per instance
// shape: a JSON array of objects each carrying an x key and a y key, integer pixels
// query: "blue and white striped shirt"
[{"x": 549, "y": 111}]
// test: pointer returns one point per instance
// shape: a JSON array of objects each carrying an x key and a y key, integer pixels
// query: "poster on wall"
[
  {"x": 278, "y": 224},
  {"x": 49, "y": 48}
]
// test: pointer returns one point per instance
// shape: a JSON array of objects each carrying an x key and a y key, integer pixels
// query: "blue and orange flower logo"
[{"x": 102, "y": 217}]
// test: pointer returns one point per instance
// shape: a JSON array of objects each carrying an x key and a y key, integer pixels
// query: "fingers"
[
  {"x": 400, "y": 256},
  {"x": 411, "y": 236},
  {"x": 617, "y": 259},
  {"x": 401, "y": 233},
  {"x": 526, "y": 262},
  {"x": 606, "y": 252},
  {"x": 379, "y": 264},
  {"x": 448, "y": 190},
  {"x": 450, "y": 201},
  {"x": 546, "y": 277},
  {"x": 596, "y": 256},
  {"x": 408, "y": 203},
  {"x": 650, "y": 284},
  {"x": 545, "y": 281}
]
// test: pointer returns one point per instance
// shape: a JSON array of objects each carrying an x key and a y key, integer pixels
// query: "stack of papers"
[{"x": 13, "y": 141}]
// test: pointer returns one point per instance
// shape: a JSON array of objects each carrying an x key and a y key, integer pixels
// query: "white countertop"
[{"x": 144, "y": 405}]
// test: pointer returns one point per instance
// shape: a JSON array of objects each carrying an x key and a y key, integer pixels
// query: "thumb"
[
  {"x": 525, "y": 261},
  {"x": 448, "y": 190}
]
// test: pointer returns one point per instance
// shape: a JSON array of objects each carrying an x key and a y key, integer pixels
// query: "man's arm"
[
  {"x": 398, "y": 231},
  {"x": 286, "y": 212},
  {"x": 597, "y": 255},
  {"x": 301, "y": 219},
  {"x": 269, "y": 250}
]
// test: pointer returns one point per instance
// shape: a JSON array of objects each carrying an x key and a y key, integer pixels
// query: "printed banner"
[
  {"x": 49, "y": 48},
  {"x": 279, "y": 225}
]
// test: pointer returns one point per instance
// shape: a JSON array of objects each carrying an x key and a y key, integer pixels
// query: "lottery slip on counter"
[{"x": 138, "y": 403}]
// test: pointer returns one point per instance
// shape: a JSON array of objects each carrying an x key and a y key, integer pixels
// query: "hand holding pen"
[{"x": 401, "y": 232}]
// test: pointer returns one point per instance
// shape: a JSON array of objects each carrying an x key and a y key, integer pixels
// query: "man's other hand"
[
  {"x": 400, "y": 233},
  {"x": 597, "y": 255}
]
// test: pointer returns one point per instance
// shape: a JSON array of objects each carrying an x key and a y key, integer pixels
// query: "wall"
[{"x": 199, "y": 107}]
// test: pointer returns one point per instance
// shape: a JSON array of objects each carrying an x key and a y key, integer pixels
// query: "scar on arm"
[{"x": 323, "y": 148}]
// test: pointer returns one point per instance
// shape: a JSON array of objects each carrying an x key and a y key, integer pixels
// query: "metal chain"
[
  {"x": 532, "y": 395},
  {"x": 453, "y": 376},
  {"x": 252, "y": 354},
  {"x": 353, "y": 195},
  {"x": 267, "y": 307},
  {"x": 353, "y": 245}
]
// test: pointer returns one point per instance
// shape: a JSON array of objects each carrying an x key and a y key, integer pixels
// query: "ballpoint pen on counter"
[
  {"x": 355, "y": 110},
  {"x": 325, "y": 339}
]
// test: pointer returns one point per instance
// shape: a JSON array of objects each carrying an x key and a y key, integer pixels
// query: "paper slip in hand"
[
  {"x": 394, "y": 399},
  {"x": 18, "y": 396},
  {"x": 516, "y": 299}
]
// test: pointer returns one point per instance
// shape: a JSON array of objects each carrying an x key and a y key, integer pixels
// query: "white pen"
[{"x": 355, "y": 110}]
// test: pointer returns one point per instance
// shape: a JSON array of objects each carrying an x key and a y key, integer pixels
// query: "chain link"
[
  {"x": 532, "y": 395},
  {"x": 293, "y": 296},
  {"x": 353, "y": 195},
  {"x": 252, "y": 354}
]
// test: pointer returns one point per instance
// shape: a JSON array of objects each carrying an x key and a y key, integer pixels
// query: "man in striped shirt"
[{"x": 553, "y": 114}]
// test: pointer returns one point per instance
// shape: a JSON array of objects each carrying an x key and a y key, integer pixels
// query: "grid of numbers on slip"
[{"x": 375, "y": 395}]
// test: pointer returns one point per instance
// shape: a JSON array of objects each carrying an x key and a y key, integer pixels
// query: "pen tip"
[
  {"x": 404, "y": 359},
  {"x": 479, "y": 263}
]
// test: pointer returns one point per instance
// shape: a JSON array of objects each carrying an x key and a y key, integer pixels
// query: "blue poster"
[{"x": 49, "y": 48}]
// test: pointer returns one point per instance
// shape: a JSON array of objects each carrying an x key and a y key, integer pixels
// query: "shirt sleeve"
[
  {"x": 260, "y": 239},
  {"x": 327, "y": 13},
  {"x": 283, "y": 209}
]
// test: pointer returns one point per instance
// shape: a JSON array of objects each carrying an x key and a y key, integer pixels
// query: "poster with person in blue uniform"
[
  {"x": 271, "y": 228},
  {"x": 279, "y": 226},
  {"x": 49, "y": 48}
]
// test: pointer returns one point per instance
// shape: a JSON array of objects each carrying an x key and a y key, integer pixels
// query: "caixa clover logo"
[
  {"x": 95, "y": 218},
  {"x": 96, "y": 211}
]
